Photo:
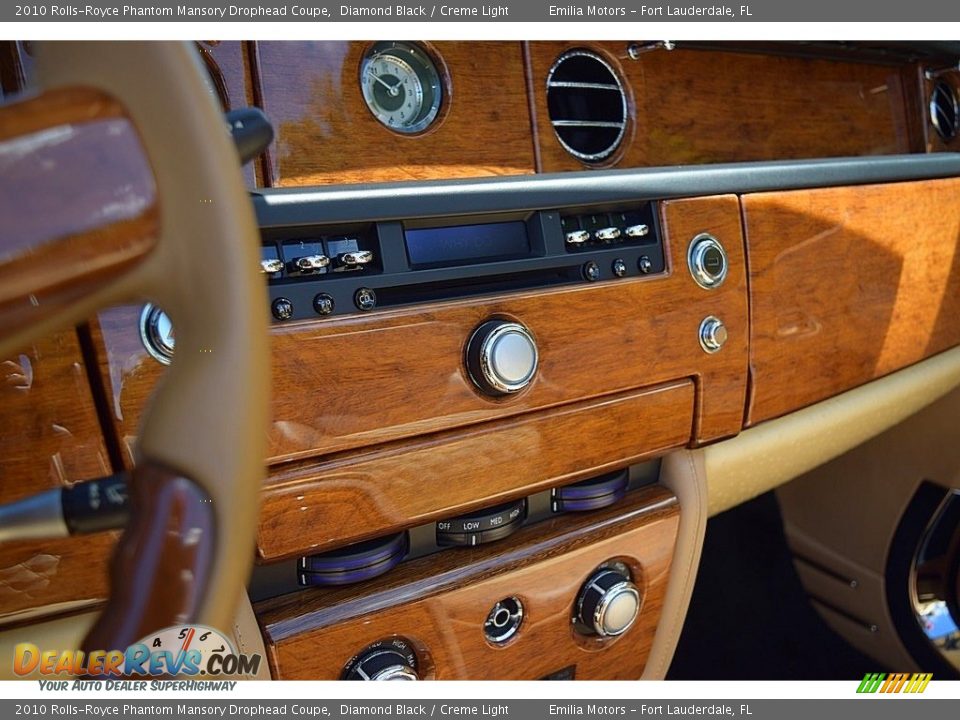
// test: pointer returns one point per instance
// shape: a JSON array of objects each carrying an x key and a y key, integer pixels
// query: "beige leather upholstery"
[
  {"x": 775, "y": 452},
  {"x": 683, "y": 473},
  {"x": 842, "y": 517}
]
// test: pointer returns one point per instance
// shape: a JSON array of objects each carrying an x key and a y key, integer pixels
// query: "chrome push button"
[
  {"x": 707, "y": 261},
  {"x": 502, "y": 357}
]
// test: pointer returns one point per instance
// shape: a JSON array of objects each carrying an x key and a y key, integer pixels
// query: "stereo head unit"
[{"x": 331, "y": 270}]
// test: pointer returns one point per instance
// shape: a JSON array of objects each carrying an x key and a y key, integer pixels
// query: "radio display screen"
[{"x": 463, "y": 244}]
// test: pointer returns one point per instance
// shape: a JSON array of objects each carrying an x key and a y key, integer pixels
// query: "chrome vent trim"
[
  {"x": 587, "y": 105},
  {"x": 944, "y": 110}
]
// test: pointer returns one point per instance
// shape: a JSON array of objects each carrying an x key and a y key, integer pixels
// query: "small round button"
[
  {"x": 591, "y": 271},
  {"x": 713, "y": 334},
  {"x": 365, "y": 299},
  {"x": 156, "y": 333},
  {"x": 619, "y": 267},
  {"x": 323, "y": 304},
  {"x": 645, "y": 264},
  {"x": 608, "y": 603},
  {"x": 501, "y": 357},
  {"x": 282, "y": 308},
  {"x": 707, "y": 261}
]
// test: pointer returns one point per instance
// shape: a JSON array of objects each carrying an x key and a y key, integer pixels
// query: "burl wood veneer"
[
  {"x": 691, "y": 106},
  {"x": 440, "y": 602},
  {"x": 326, "y": 133},
  {"x": 848, "y": 284}
]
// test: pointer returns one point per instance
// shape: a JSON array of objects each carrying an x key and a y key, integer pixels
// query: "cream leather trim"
[
  {"x": 776, "y": 451},
  {"x": 683, "y": 473}
]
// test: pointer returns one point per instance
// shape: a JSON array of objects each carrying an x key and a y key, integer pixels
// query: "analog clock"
[{"x": 402, "y": 86}]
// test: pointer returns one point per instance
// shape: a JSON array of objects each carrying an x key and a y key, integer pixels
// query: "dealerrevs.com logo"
[
  {"x": 894, "y": 682},
  {"x": 179, "y": 650}
]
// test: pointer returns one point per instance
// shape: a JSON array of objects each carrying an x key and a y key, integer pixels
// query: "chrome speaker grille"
[{"x": 587, "y": 105}]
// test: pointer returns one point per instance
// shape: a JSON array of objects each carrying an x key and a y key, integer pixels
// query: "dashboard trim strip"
[{"x": 444, "y": 198}]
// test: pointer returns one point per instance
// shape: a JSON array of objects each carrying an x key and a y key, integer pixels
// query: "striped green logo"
[{"x": 894, "y": 682}]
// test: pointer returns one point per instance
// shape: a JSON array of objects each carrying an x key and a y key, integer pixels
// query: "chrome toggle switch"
[
  {"x": 354, "y": 260},
  {"x": 273, "y": 265},
  {"x": 311, "y": 263},
  {"x": 636, "y": 231},
  {"x": 577, "y": 237},
  {"x": 607, "y": 234}
]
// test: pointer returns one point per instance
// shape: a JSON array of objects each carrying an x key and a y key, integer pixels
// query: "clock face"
[{"x": 401, "y": 86}]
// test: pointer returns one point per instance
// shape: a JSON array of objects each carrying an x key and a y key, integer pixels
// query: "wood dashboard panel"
[
  {"x": 315, "y": 507},
  {"x": 326, "y": 134},
  {"x": 440, "y": 602},
  {"x": 51, "y": 437},
  {"x": 692, "y": 106},
  {"x": 847, "y": 285},
  {"x": 354, "y": 381}
]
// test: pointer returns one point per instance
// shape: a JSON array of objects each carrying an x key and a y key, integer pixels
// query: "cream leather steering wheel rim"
[{"x": 188, "y": 547}]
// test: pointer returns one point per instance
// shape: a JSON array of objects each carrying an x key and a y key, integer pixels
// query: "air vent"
[
  {"x": 944, "y": 113},
  {"x": 587, "y": 105}
]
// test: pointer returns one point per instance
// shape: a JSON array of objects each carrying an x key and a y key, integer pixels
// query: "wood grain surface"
[
  {"x": 354, "y": 381},
  {"x": 705, "y": 106},
  {"x": 50, "y": 438},
  {"x": 847, "y": 285},
  {"x": 77, "y": 199},
  {"x": 440, "y": 602},
  {"x": 326, "y": 134},
  {"x": 315, "y": 507}
]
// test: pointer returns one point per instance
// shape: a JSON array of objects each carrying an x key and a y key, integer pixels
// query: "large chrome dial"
[{"x": 401, "y": 85}]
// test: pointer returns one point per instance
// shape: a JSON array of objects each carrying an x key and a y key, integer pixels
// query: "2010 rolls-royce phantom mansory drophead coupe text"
[{"x": 400, "y": 360}]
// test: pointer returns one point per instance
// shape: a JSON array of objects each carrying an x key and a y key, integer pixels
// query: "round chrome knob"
[
  {"x": 384, "y": 660},
  {"x": 707, "y": 261},
  {"x": 713, "y": 334},
  {"x": 501, "y": 357},
  {"x": 156, "y": 333},
  {"x": 608, "y": 603}
]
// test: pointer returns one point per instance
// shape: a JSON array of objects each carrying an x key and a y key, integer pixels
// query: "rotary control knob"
[
  {"x": 392, "y": 659},
  {"x": 608, "y": 603},
  {"x": 501, "y": 357}
]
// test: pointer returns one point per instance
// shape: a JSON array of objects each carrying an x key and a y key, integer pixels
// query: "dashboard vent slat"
[
  {"x": 944, "y": 111},
  {"x": 587, "y": 105}
]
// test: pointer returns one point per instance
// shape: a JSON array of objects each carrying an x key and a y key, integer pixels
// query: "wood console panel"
[
  {"x": 354, "y": 381},
  {"x": 847, "y": 285},
  {"x": 691, "y": 106},
  {"x": 77, "y": 198},
  {"x": 326, "y": 134},
  {"x": 440, "y": 602},
  {"x": 50, "y": 437},
  {"x": 315, "y": 508}
]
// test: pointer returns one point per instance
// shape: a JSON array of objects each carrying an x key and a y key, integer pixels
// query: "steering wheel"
[{"x": 188, "y": 547}]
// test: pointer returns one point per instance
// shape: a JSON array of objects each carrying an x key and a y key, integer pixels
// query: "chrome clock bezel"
[{"x": 428, "y": 71}]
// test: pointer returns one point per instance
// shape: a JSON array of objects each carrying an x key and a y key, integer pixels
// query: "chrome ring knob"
[
  {"x": 608, "y": 603},
  {"x": 502, "y": 357}
]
